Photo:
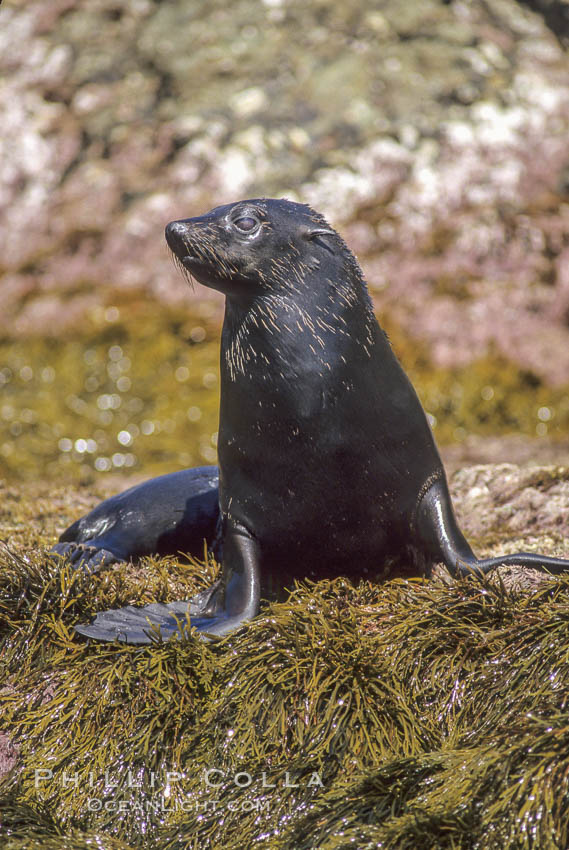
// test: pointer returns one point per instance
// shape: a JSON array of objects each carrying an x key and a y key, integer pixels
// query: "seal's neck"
[{"x": 306, "y": 328}]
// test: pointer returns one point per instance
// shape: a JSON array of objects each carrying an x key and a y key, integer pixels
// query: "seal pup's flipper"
[
  {"x": 438, "y": 530},
  {"x": 214, "y": 612}
]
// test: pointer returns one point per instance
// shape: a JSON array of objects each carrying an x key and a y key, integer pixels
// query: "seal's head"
[{"x": 255, "y": 246}]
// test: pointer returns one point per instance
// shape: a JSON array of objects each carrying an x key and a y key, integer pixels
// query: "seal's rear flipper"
[
  {"x": 438, "y": 530},
  {"x": 164, "y": 516},
  {"x": 90, "y": 557}
]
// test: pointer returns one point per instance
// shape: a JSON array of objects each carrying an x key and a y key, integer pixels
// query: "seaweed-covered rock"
[{"x": 348, "y": 715}]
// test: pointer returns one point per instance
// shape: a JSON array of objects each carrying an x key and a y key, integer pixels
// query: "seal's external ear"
[{"x": 321, "y": 235}]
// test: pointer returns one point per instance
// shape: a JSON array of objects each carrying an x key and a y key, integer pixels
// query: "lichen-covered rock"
[
  {"x": 434, "y": 134},
  {"x": 506, "y": 499}
]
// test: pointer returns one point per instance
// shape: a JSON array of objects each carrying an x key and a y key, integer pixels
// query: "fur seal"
[{"x": 327, "y": 464}]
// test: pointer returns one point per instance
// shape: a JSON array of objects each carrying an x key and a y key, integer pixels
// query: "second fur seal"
[{"x": 327, "y": 464}]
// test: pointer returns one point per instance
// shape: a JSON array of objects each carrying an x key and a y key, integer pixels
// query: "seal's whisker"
[{"x": 185, "y": 272}]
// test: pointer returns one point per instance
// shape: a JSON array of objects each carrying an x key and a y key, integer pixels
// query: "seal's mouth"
[{"x": 189, "y": 258}]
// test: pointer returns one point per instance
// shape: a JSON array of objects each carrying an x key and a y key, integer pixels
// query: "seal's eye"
[{"x": 246, "y": 223}]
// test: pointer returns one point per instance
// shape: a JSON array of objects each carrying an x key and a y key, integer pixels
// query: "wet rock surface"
[{"x": 513, "y": 448}]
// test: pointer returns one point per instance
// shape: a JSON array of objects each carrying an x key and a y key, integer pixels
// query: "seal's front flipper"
[
  {"x": 444, "y": 541},
  {"x": 241, "y": 580},
  {"x": 214, "y": 612},
  {"x": 157, "y": 620},
  {"x": 439, "y": 535},
  {"x": 139, "y": 625}
]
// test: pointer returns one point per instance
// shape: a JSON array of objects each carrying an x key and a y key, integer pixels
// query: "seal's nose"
[{"x": 175, "y": 233}]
